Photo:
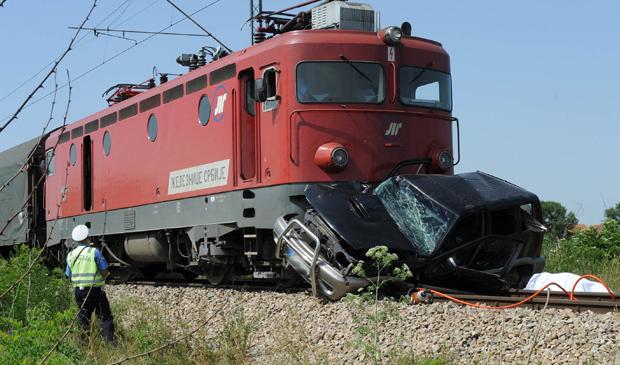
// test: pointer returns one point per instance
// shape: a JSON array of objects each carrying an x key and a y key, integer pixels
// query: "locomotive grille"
[
  {"x": 129, "y": 220},
  {"x": 344, "y": 16}
]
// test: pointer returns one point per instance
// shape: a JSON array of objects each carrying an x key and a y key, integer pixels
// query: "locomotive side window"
[
  {"x": 196, "y": 84},
  {"x": 204, "y": 110},
  {"x": 73, "y": 154},
  {"x": 152, "y": 128},
  {"x": 426, "y": 88},
  {"x": 49, "y": 161},
  {"x": 77, "y": 132},
  {"x": 340, "y": 82},
  {"x": 271, "y": 87},
  {"x": 64, "y": 137},
  {"x": 250, "y": 100},
  {"x": 90, "y": 127},
  {"x": 107, "y": 143}
]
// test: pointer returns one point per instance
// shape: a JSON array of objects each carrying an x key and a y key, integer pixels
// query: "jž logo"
[
  {"x": 393, "y": 129},
  {"x": 220, "y": 103},
  {"x": 219, "y": 109}
]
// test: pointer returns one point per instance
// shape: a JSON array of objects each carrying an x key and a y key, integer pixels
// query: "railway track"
[
  {"x": 595, "y": 302},
  {"x": 241, "y": 286}
]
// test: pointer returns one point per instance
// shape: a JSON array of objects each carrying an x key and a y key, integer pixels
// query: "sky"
[{"x": 534, "y": 82}]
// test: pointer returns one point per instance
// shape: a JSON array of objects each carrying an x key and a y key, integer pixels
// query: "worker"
[{"x": 88, "y": 269}]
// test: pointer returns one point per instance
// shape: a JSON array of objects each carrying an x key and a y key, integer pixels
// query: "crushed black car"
[{"x": 472, "y": 232}]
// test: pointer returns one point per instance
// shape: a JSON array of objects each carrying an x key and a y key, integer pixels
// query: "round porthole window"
[
  {"x": 152, "y": 128},
  {"x": 204, "y": 110},
  {"x": 73, "y": 154},
  {"x": 107, "y": 143}
]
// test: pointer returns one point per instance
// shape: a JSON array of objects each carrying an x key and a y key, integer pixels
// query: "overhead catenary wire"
[
  {"x": 47, "y": 76},
  {"x": 199, "y": 26},
  {"x": 99, "y": 30},
  {"x": 76, "y": 45},
  {"x": 127, "y": 4},
  {"x": 118, "y": 54}
]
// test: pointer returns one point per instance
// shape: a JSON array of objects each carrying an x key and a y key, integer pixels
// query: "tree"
[
  {"x": 613, "y": 213},
  {"x": 557, "y": 219}
]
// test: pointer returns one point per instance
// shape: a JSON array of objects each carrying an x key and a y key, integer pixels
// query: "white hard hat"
[{"x": 80, "y": 233}]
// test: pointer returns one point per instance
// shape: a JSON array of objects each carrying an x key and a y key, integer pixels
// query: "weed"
[{"x": 372, "y": 313}]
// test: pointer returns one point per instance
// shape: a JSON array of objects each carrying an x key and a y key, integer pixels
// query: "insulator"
[
  {"x": 202, "y": 57},
  {"x": 259, "y": 37},
  {"x": 193, "y": 63}
]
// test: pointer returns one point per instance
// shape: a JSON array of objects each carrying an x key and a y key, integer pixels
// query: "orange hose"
[
  {"x": 594, "y": 277},
  {"x": 570, "y": 295}
]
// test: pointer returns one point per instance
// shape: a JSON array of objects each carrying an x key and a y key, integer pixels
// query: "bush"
[
  {"x": 40, "y": 287},
  {"x": 587, "y": 252}
]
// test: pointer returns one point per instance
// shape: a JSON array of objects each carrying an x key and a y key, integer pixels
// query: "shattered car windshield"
[{"x": 419, "y": 218}]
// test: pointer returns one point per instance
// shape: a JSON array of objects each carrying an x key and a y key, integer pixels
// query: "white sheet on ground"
[{"x": 566, "y": 280}]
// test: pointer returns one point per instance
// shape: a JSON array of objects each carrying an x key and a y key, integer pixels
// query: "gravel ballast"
[{"x": 464, "y": 335}]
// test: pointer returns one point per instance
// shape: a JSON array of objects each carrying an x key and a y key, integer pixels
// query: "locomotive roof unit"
[{"x": 194, "y": 174}]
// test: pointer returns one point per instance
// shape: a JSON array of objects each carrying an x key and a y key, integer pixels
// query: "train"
[{"x": 286, "y": 160}]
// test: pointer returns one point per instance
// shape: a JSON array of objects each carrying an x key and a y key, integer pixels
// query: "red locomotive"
[{"x": 293, "y": 156}]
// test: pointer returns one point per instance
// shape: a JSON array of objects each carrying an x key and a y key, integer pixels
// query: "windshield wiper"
[
  {"x": 348, "y": 62},
  {"x": 417, "y": 77}
]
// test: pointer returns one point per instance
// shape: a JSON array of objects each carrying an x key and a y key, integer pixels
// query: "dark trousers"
[{"x": 96, "y": 301}]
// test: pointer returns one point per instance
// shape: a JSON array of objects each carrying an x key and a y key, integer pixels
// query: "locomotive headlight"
[
  {"x": 441, "y": 159},
  {"x": 445, "y": 160},
  {"x": 393, "y": 35},
  {"x": 331, "y": 157},
  {"x": 340, "y": 157}
]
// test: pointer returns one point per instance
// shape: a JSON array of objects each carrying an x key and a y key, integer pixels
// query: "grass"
[
  {"x": 587, "y": 252},
  {"x": 39, "y": 311}
]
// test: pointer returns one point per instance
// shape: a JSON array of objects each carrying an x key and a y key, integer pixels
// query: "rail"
[{"x": 580, "y": 302}]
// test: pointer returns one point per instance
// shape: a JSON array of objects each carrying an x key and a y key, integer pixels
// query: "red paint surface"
[{"x": 271, "y": 148}]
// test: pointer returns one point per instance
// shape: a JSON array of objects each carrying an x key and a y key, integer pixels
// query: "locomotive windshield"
[
  {"x": 419, "y": 218},
  {"x": 340, "y": 82},
  {"x": 425, "y": 87}
]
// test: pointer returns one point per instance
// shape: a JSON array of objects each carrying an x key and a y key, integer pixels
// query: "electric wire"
[
  {"x": 199, "y": 26},
  {"x": 128, "y": 4},
  {"x": 77, "y": 43},
  {"x": 138, "y": 12},
  {"x": 118, "y": 54},
  {"x": 47, "y": 76}
]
